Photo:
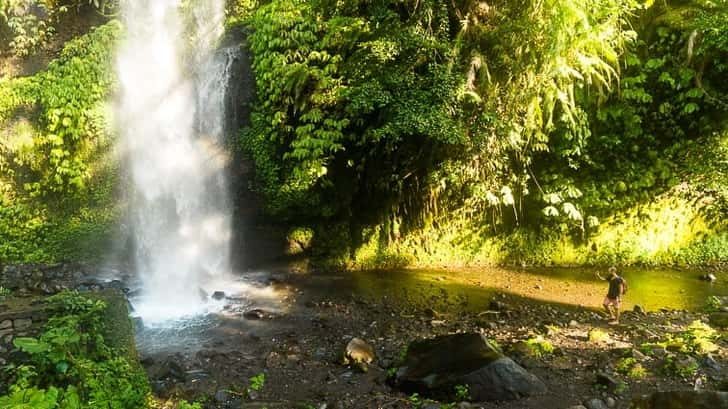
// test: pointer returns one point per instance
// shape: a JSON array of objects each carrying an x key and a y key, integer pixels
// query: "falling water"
[{"x": 171, "y": 112}]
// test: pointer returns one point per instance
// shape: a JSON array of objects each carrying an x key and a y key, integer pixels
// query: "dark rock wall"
[{"x": 258, "y": 241}]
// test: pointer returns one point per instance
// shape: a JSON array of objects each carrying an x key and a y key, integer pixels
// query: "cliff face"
[{"x": 259, "y": 240}]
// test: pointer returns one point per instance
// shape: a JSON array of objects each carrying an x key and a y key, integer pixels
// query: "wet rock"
[
  {"x": 255, "y": 314},
  {"x": 430, "y": 313},
  {"x": 274, "y": 360},
  {"x": 639, "y": 356},
  {"x": 359, "y": 353},
  {"x": 658, "y": 351},
  {"x": 595, "y": 404},
  {"x": 6, "y": 324},
  {"x": 710, "y": 277},
  {"x": 719, "y": 319},
  {"x": 21, "y": 324},
  {"x": 688, "y": 399},
  {"x": 710, "y": 363},
  {"x": 138, "y": 324},
  {"x": 607, "y": 381},
  {"x": 577, "y": 407},
  {"x": 167, "y": 369},
  {"x": 226, "y": 399},
  {"x": 115, "y": 284},
  {"x": 639, "y": 310},
  {"x": 496, "y": 305},
  {"x": 321, "y": 354},
  {"x": 610, "y": 402},
  {"x": 218, "y": 295},
  {"x": 433, "y": 367},
  {"x": 521, "y": 349},
  {"x": 686, "y": 364},
  {"x": 202, "y": 294}
]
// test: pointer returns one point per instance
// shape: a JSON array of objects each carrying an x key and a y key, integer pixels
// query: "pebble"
[
  {"x": 595, "y": 404},
  {"x": 610, "y": 402},
  {"x": 639, "y": 356},
  {"x": 218, "y": 295}
]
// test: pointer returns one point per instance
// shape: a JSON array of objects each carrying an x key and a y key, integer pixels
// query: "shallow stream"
[
  {"x": 473, "y": 289},
  {"x": 452, "y": 291}
]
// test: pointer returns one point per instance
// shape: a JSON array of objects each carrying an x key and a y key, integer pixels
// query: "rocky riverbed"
[
  {"x": 339, "y": 341},
  {"x": 296, "y": 358}
]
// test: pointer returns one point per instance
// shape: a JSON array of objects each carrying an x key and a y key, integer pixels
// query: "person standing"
[{"x": 617, "y": 288}]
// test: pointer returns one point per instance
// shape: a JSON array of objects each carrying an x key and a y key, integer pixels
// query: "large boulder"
[
  {"x": 688, "y": 399},
  {"x": 433, "y": 367}
]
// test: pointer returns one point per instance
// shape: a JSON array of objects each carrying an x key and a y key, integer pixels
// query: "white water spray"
[{"x": 171, "y": 115}]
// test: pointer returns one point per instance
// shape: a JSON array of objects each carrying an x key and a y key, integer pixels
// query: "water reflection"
[{"x": 472, "y": 289}]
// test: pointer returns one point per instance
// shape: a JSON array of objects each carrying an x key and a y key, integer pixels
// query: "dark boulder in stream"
[
  {"x": 690, "y": 399},
  {"x": 433, "y": 367}
]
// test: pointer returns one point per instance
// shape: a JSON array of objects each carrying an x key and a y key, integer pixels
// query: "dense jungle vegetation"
[
  {"x": 530, "y": 132},
  {"x": 408, "y": 132}
]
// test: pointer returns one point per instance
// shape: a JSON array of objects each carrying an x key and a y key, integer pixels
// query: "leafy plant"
[
  {"x": 71, "y": 365},
  {"x": 630, "y": 367},
  {"x": 462, "y": 392},
  {"x": 685, "y": 368},
  {"x": 712, "y": 304},
  {"x": 596, "y": 335},
  {"x": 540, "y": 346},
  {"x": 56, "y": 183},
  {"x": 256, "y": 382}
]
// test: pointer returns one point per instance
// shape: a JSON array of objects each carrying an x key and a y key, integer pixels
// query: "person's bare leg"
[
  {"x": 609, "y": 311},
  {"x": 616, "y": 314}
]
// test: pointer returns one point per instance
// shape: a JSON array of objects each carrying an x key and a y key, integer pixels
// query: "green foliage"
[
  {"x": 186, "y": 405},
  {"x": 630, "y": 367},
  {"x": 684, "y": 368},
  {"x": 391, "y": 372},
  {"x": 32, "y": 24},
  {"x": 257, "y": 383},
  {"x": 533, "y": 124},
  {"x": 540, "y": 346},
  {"x": 57, "y": 178},
  {"x": 347, "y": 93},
  {"x": 712, "y": 304},
  {"x": 597, "y": 336},
  {"x": 462, "y": 393},
  {"x": 699, "y": 338},
  {"x": 4, "y": 292},
  {"x": 70, "y": 364}
]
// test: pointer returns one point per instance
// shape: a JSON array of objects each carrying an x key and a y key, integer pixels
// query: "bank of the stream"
[
  {"x": 280, "y": 344},
  {"x": 298, "y": 349}
]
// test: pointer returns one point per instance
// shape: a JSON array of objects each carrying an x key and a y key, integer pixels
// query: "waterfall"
[{"x": 171, "y": 117}]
